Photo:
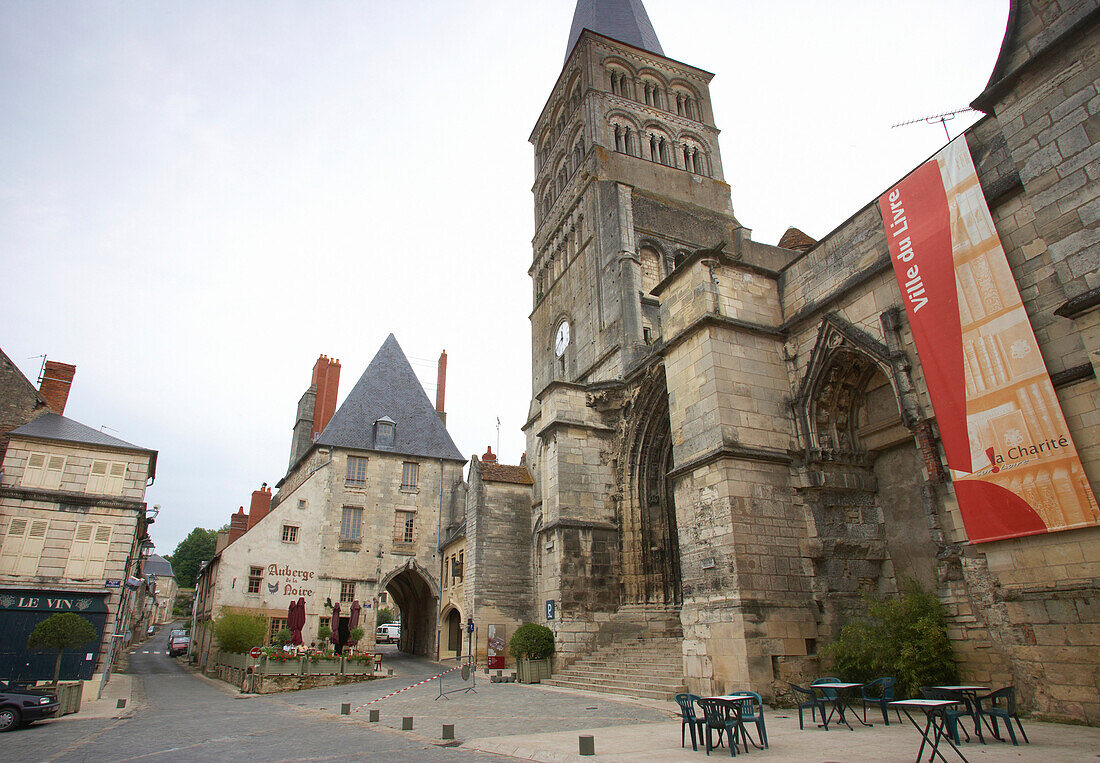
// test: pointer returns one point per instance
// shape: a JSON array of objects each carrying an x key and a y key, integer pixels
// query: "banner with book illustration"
[{"x": 1014, "y": 466}]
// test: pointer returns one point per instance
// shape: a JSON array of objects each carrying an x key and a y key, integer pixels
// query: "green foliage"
[
  {"x": 283, "y": 637},
  {"x": 324, "y": 632},
  {"x": 384, "y": 617},
  {"x": 65, "y": 630},
  {"x": 903, "y": 636},
  {"x": 532, "y": 641},
  {"x": 181, "y": 607},
  {"x": 195, "y": 548},
  {"x": 356, "y": 633},
  {"x": 237, "y": 632}
]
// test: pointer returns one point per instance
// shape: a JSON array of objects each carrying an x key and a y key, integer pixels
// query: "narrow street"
[{"x": 177, "y": 716}]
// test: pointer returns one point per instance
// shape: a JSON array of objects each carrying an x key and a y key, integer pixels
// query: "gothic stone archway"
[
  {"x": 417, "y": 597},
  {"x": 650, "y": 543}
]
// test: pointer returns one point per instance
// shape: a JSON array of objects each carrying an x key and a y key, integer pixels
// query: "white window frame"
[
  {"x": 43, "y": 470},
  {"x": 293, "y": 533},
  {"x": 22, "y": 546},
  {"x": 106, "y": 477}
]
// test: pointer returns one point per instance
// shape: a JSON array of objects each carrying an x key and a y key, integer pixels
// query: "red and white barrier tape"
[{"x": 418, "y": 683}]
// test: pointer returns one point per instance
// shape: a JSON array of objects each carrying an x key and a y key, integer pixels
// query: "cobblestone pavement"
[
  {"x": 174, "y": 715},
  {"x": 177, "y": 716}
]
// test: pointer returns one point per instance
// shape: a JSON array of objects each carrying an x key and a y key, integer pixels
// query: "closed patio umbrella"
[
  {"x": 297, "y": 620},
  {"x": 354, "y": 621},
  {"x": 335, "y": 637}
]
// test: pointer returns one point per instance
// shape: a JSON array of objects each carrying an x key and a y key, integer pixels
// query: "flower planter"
[
  {"x": 322, "y": 667},
  {"x": 271, "y": 667},
  {"x": 357, "y": 668},
  {"x": 532, "y": 671}
]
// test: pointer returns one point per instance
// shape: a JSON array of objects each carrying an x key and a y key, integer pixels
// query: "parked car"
[
  {"x": 177, "y": 644},
  {"x": 150, "y": 630},
  {"x": 389, "y": 633},
  {"x": 19, "y": 706}
]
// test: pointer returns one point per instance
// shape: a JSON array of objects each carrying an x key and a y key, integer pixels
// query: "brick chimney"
[
  {"x": 326, "y": 378},
  {"x": 489, "y": 457},
  {"x": 261, "y": 505},
  {"x": 441, "y": 388},
  {"x": 57, "y": 378},
  {"x": 238, "y": 525}
]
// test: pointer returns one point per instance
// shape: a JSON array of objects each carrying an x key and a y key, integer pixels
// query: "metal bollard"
[
  {"x": 448, "y": 731},
  {"x": 372, "y": 716},
  {"x": 587, "y": 744},
  {"x": 345, "y": 709},
  {"x": 407, "y": 723}
]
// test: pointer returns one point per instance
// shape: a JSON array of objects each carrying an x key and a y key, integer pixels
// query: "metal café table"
[
  {"x": 935, "y": 723},
  {"x": 842, "y": 689},
  {"x": 971, "y": 693}
]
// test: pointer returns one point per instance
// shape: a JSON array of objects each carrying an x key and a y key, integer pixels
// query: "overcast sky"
[{"x": 199, "y": 198}]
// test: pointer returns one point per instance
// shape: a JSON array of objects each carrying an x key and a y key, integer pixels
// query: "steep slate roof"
[
  {"x": 389, "y": 387},
  {"x": 517, "y": 475},
  {"x": 622, "y": 20},
  {"x": 50, "y": 426},
  {"x": 157, "y": 565}
]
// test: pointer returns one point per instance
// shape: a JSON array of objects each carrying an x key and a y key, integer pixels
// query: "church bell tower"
[{"x": 628, "y": 184}]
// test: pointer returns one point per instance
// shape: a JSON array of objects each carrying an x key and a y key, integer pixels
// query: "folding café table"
[
  {"x": 843, "y": 690},
  {"x": 935, "y": 723},
  {"x": 971, "y": 693}
]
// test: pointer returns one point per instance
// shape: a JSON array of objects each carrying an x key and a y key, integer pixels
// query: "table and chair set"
[
  {"x": 944, "y": 708},
  {"x": 726, "y": 715}
]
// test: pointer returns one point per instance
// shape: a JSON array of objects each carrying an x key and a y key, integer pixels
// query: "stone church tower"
[{"x": 629, "y": 186}]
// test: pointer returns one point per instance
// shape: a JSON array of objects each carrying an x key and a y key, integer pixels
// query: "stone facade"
[
  {"x": 741, "y": 435},
  {"x": 73, "y": 524},
  {"x": 356, "y": 519}
]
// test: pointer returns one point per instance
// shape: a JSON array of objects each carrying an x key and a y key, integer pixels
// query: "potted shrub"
[{"x": 531, "y": 645}]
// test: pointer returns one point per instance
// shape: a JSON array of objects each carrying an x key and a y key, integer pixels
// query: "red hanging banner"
[{"x": 1014, "y": 466}]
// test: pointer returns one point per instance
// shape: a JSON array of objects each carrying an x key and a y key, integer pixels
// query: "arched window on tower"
[
  {"x": 578, "y": 153},
  {"x": 660, "y": 149},
  {"x": 652, "y": 272},
  {"x": 687, "y": 105},
  {"x": 695, "y": 158}
]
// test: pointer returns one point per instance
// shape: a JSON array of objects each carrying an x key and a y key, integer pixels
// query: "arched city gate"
[{"x": 416, "y": 595}]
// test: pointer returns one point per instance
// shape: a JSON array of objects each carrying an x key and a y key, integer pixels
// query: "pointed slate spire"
[
  {"x": 389, "y": 390},
  {"x": 622, "y": 20}
]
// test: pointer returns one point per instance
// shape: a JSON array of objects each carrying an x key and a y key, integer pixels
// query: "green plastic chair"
[
  {"x": 688, "y": 718},
  {"x": 722, "y": 716},
  {"x": 812, "y": 702},
  {"x": 1002, "y": 704},
  {"x": 880, "y": 693},
  {"x": 751, "y": 707}
]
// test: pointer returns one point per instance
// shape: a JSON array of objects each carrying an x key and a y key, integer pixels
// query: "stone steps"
[{"x": 640, "y": 667}]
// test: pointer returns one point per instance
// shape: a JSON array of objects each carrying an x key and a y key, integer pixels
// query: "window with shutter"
[
  {"x": 116, "y": 478},
  {"x": 55, "y": 466},
  {"x": 36, "y": 466},
  {"x": 32, "y": 547},
  {"x": 101, "y": 546},
  {"x": 97, "y": 479},
  {"x": 80, "y": 550},
  {"x": 13, "y": 545}
]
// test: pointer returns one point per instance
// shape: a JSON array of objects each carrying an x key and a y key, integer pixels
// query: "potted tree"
[
  {"x": 531, "y": 645},
  {"x": 65, "y": 630}
]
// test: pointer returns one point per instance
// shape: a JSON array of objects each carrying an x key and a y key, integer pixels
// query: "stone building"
[
  {"x": 73, "y": 523},
  {"x": 731, "y": 441},
  {"x": 162, "y": 580},
  {"x": 356, "y": 519},
  {"x": 487, "y": 574}
]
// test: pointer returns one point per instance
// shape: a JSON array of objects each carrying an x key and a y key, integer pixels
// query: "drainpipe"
[{"x": 439, "y": 551}]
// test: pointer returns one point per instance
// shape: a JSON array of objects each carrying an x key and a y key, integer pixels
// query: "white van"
[{"x": 390, "y": 633}]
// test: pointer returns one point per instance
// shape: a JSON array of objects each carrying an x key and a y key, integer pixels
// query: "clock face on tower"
[{"x": 562, "y": 340}]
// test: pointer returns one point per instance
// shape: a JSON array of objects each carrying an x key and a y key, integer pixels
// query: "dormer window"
[{"x": 384, "y": 430}]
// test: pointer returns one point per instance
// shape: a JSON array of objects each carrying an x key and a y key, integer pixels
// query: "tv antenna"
[
  {"x": 941, "y": 118},
  {"x": 498, "y": 436}
]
